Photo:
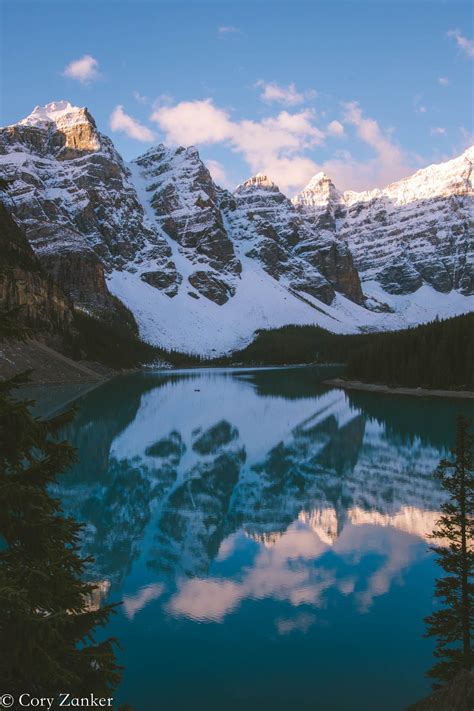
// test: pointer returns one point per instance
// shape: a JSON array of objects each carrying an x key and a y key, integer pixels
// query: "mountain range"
[{"x": 155, "y": 244}]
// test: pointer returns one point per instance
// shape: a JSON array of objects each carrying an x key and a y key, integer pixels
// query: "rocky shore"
[{"x": 388, "y": 390}]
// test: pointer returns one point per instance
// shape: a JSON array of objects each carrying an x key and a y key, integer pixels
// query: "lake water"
[{"x": 266, "y": 535}]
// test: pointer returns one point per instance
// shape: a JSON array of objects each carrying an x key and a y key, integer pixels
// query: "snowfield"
[{"x": 202, "y": 327}]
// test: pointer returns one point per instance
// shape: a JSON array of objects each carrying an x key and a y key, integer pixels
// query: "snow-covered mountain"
[
  {"x": 69, "y": 189},
  {"x": 417, "y": 231},
  {"x": 182, "y": 202},
  {"x": 283, "y": 242},
  {"x": 201, "y": 268}
]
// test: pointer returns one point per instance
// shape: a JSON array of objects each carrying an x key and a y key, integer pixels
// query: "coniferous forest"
[
  {"x": 439, "y": 354},
  {"x": 436, "y": 355}
]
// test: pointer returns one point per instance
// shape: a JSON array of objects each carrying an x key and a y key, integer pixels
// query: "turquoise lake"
[{"x": 267, "y": 536}]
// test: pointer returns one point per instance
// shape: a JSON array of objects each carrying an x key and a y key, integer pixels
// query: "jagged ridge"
[{"x": 202, "y": 268}]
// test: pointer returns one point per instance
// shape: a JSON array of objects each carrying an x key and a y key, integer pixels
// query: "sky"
[{"x": 367, "y": 91}]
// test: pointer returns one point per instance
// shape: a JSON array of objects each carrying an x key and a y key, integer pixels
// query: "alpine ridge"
[
  {"x": 158, "y": 246},
  {"x": 417, "y": 231}
]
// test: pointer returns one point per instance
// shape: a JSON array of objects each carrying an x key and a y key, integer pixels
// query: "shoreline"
[
  {"x": 387, "y": 390},
  {"x": 235, "y": 367}
]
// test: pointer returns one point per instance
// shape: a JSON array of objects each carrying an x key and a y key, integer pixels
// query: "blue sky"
[{"x": 367, "y": 91}]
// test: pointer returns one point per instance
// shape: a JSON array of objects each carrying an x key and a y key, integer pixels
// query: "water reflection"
[
  {"x": 293, "y": 569},
  {"x": 205, "y": 491},
  {"x": 172, "y": 467}
]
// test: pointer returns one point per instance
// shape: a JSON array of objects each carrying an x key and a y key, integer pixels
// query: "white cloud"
[
  {"x": 335, "y": 128},
  {"x": 287, "y": 95},
  {"x": 140, "y": 98},
  {"x": 134, "y": 603},
  {"x": 193, "y": 122},
  {"x": 272, "y": 145},
  {"x": 390, "y": 162},
  {"x": 438, "y": 131},
  {"x": 218, "y": 173},
  {"x": 300, "y": 623},
  {"x": 467, "y": 137},
  {"x": 84, "y": 70},
  {"x": 120, "y": 121},
  {"x": 464, "y": 44},
  {"x": 421, "y": 109},
  {"x": 289, "y": 571},
  {"x": 444, "y": 81},
  {"x": 278, "y": 145},
  {"x": 225, "y": 30},
  {"x": 370, "y": 132}
]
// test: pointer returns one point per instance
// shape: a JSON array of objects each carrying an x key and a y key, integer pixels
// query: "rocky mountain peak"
[
  {"x": 58, "y": 130},
  {"x": 318, "y": 179},
  {"x": 259, "y": 182},
  {"x": 192, "y": 152},
  {"x": 440, "y": 180},
  {"x": 167, "y": 240},
  {"x": 181, "y": 201},
  {"x": 319, "y": 192},
  {"x": 61, "y": 114}
]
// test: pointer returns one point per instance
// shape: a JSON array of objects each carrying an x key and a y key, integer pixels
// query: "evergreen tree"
[
  {"x": 47, "y": 624},
  {"x": 452, "y": 624}
]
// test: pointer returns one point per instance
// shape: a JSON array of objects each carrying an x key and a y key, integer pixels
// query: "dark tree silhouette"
[
  {"x": 434, "y": 355},
  {"x": 452, "y": 624},
  {"x": 47, "y": 621}
]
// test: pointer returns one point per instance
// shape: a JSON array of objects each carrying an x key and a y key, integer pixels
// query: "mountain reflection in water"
[{"x": 206, "y": 491}]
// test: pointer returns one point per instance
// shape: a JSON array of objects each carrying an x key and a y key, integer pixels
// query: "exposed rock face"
[
  {"x": 24, "y": 284},
  {"x": 167, "y": 279},
  {"x": 161, "y": 236},
  {"x": 183, "y": 199},
  {"x": 76, "y": 130},
  {"x": 286, "y": 244},
  {"x": 400, "y": 276},
  {"x": 70, "y": 190},
  {"x": 83, "y": 275},
  {"x": 417, "y": 231},
  {"x": 212, "y": 287}
]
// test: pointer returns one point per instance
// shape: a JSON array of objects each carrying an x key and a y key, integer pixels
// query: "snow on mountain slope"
[
  {"x": 61, "y": 113},
  {"x": 285, "y": 244},
  {"x": 69, "y": 189},
  {"x": 206, "y": 328},
  {"x": 417, "y": 231},
  {"x": 181, "y": 200},
  {"x": 202, "y": 326},
  {"x": 202, "y": 268},
  {"x": 278, "y": 283},
  {"x": 454, "y": 177},
  {"x": 318, "y": 192}
]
